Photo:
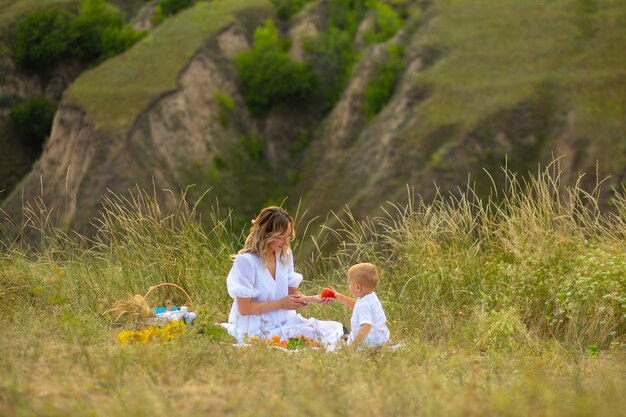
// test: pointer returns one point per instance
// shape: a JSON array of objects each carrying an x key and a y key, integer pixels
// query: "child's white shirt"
[{"x": 369, "y": 310}]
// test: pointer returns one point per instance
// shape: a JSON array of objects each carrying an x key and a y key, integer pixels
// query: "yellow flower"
[
  {"x": 124, "y": 337},
  {"x": 170, "y": 331}
]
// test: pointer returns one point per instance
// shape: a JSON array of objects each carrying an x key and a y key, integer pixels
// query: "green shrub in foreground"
[{"x": 269, "y": 78}]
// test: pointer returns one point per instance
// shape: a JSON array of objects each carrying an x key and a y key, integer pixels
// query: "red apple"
[{"x": 327, "y": 293}]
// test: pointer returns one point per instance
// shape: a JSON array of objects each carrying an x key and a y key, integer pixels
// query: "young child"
[{"x": 368, "y": 320}]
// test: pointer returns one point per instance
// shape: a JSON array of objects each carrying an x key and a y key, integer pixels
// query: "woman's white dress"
[{"x": 249, "y": 278}]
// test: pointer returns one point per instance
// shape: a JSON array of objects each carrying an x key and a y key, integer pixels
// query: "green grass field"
[
  {"x": 116, "y": 92},
  {"x": 514, "y": 308}
]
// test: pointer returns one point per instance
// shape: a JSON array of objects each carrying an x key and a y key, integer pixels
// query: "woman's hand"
[
  {"x": 293, "y": 302},
  {"x": 317, "y": 299}
]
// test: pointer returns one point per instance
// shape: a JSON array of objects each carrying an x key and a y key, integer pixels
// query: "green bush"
[
  {"x": 225, "y": 101},
  {"x": 171, "y": 7},
  {"x": 346, "y": 14},
  {"x": 380, "y": 88},
  {"x": 117, "y": 40},
  {"x": 31, "y": 121},
  {"x": 42, "y": 38},
  {"x": 269, "y": 78},
  {"x": 88, "y": 28},
  {"x": 594, "y": 290},
  {"x": 100, "y": 33},
  {"x": 498, "y": 330},
  {"x": 158, "y": 17},
  {"x": 332, "y": 54},
  {"x": 386, "y": 22},
  {"x": 227, "y": 105},
  {"x": 288, "y": 8},
  {"x": 254, "y": 145},
  {"x": 332, "y": 57}
]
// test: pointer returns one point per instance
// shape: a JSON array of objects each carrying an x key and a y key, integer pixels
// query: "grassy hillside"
[
  {"x": 492, "y": 56},
  {"x": 504, "y": 309},
  {"x": 512, "y": 80},
  {"x": 115, "y": 93},
  {"x": 546, "y": 76}
]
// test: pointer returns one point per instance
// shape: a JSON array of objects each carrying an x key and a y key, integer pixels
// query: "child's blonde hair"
[
  {"x": 271, "y": 223},
  {"x": 365, "y": 274}
]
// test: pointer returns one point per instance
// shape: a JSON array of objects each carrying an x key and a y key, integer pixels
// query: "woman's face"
[{"x": 281, "y": 243}]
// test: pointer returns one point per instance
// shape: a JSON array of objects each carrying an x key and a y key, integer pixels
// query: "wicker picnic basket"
[
  {"x": 144, "y": 323},
  {"x": 138, "y": 308}
]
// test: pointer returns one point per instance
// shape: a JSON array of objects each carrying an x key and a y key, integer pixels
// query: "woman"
[{"x": 264, "y": 286}]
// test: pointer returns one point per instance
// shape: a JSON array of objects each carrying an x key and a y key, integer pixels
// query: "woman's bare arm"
[
  {"x": 247, "y": 307},
  {"x": 311, "y": 299}
]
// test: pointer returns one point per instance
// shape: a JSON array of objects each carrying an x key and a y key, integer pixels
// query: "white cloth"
[
  {"x": 250, "y": 278},
  {"x": 369, "y": 310},
  {"x": 178, "y": 315}
]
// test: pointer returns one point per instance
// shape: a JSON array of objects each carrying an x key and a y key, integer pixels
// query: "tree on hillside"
[
  {"x": 46, "y": 36},
  {"x": 42, "y": 39},
  {"x": 269, "y": 78},
  {"x": 99, "y": 32}
]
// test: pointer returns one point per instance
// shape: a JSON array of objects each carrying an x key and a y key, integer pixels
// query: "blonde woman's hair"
[
  {"x": 365, "y": 274},
  {"x": 271, "y": 223}
]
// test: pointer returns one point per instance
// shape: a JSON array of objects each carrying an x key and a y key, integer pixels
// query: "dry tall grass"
[
  {"x": 509, "y": 306},
  {"x": 538, "y": 247}
]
